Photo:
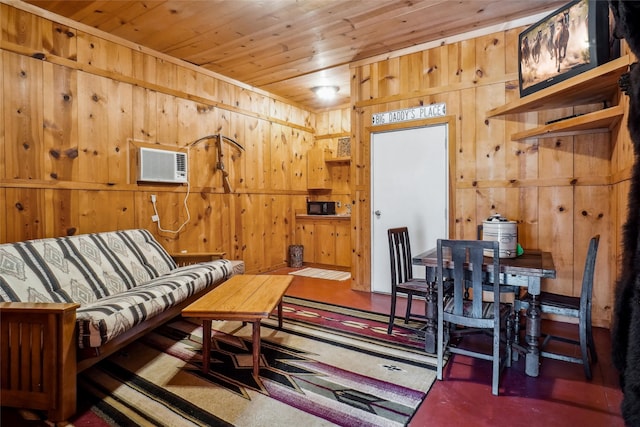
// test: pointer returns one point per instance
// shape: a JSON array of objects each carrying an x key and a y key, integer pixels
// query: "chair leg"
[
  {"x": 584, "y": 350},
  {"x": 495, "y": 381},
  {"x": 509, "y": 339},
  {"x": 408, "y": 313},
  {"x": 392, "y": 314},
  {"x": 590, "y": 341},
  {"x": 441, "y": 345}
]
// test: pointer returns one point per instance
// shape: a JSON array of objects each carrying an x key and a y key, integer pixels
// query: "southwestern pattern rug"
[{"x": 310, "y": 375}]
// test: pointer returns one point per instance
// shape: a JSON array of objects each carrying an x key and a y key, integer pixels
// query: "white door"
[{"x": 409, "y": 187}]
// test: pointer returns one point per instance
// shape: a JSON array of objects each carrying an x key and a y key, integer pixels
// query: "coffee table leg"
[
  {"x": 206, "y": 345},
  {"x": 256, "y": 348},
  {"x": 280, "y": 314}
]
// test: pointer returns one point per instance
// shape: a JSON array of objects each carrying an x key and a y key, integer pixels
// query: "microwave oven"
[{"x": 321, "y": 208}]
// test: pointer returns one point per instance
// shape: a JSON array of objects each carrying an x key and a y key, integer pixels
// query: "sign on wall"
[{"x": 408, "y": 114}]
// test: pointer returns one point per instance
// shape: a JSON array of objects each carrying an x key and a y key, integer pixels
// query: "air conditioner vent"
[{"x": 162, "y": 166}]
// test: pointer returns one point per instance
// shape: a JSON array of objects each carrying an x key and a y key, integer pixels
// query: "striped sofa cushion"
[
  {"x": 82, "y": 269},
  {"x": 107, "y": 318}
]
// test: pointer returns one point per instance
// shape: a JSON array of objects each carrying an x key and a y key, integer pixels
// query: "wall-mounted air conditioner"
[{"x": 162, "y": 166}]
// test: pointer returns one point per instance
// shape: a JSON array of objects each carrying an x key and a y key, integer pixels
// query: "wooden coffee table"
[{"x": 246, "y": 298}]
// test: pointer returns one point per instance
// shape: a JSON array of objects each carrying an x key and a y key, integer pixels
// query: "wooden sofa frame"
[{"x": 38, "y": 350}]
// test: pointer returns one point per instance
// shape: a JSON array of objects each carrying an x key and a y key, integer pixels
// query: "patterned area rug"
[
  {"x": 347, "y": 374},
  {"x": 320, "y": 273},
  {"x": 358, "y": 324}
]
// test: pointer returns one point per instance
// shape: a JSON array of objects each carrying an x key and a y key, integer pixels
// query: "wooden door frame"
[{"x": 361, "y": 194}]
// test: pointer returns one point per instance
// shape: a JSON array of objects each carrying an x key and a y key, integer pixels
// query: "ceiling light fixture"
[{"x": 325, "y": 92}]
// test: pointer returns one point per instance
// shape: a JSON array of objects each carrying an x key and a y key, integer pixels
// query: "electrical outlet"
[{"x": 338, "y": 204}]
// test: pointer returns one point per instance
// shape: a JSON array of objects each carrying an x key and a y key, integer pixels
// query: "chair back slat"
[
  {"x": 400, "y": 255},
  {"x": 467, "y": 257},
  {"x": 586, "y": 294}
]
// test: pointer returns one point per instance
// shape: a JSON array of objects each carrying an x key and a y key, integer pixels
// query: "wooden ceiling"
[{"x": 288, "y": 46}]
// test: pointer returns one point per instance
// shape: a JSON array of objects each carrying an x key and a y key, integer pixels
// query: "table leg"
[
  {"x": 431, "y": 312},
  {"x": 532, "y": 336},
  {"x": 280, "y": 314},
  {"x": 206, "y": 345},
  {"x": 256, "y": 348}
]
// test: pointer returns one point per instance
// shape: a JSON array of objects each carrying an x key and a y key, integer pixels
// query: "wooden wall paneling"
[
  {"x": 21, "y": 27},
  {"x": 361, "y": 242},
  {"x": 343, "y": 244},
  {"x": 435, "y": 70},
  {"x": 103, "y": 54},
  {"x": 144, "y": 67},
  {"x": 494, "y": 200},
  {"x": 340, "y": 179},
  {"x": 59, "y": 39},
  {"x": 324, "y": 122},
  {"x": 592, "y": 156},
  {"x": 305, "y": 232},
  {"x": 172, "y": 215},
  {"x": 556, "y": 227},
  {"x": 119, "y": 130},
  {"x": 462, "y": 61},
  {"x": 257, "y": 154},
  {"x": 466, "y": 219},
  {"x": 411, "y": 67},
  {"x": 528, "y": 217},
  {"x": 299, "y": 143},
  {"x": 325, "y": 243},
  {"x": 389, "y": 77},
  {"x": 167, "y": 74},
  {"x": 62, "y": 209},
  {"x": 60, "y": 114},
  {"x": 224, "y": 92},
  {"x": 362, "y": 87},
  {"x": 22, "y": 89},
  {"x": 278, "y": 109},
  {"x": 192, "y": 121},
  {"x": 490, "y": 57},
  {"x": 3, "y": 208},
  {"x": 280, "y": 238},
  {"x": 187, "y": 80},
  {"x": 490, "y": 144},
  {"x": 591, "y": 220},
  {"x": 235, "y": 159},
  {"x": 25, "y": 214},
  {"x": 106, "y": 211},
  {"x": 256, "y": 242},
  {"x": 466, "y": 144},
  {"x": 511, "y": 47},
  {"x": 167, "y": 123},
  {"x": 279, "y": 168},
  {"x": 93, "y": 128},
  {"x": 3, "y": 147},
  {"x": 144, "y": 114}
]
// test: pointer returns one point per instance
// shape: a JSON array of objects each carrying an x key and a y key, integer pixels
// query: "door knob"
[{"x": 378, "y": 213}]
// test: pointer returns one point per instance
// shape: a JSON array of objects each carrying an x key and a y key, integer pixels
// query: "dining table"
[{"x": 524, "y": 271}]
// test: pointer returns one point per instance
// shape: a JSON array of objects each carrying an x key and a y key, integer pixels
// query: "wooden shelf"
[
  {"x": 597, "y": 85},
  {"x": 338, "y": 160},
  {"x": 602, "y": 120}
]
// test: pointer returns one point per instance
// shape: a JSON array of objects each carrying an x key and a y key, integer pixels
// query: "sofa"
[{"x": 68, "y": 302}]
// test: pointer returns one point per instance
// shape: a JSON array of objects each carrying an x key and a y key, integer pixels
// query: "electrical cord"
[{"x": 186, "y": 208}]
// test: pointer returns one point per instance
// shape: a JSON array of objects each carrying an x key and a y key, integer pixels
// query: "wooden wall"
[
  {"x": 76, "y": 103},
  {"x": 561, "y": 190}
]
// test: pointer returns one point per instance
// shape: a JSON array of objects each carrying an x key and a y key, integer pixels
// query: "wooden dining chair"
[
  {"x": 462, "y": 313},
  {"x": 402, "y": 280},
  {"x": 572, "y": 306}
]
